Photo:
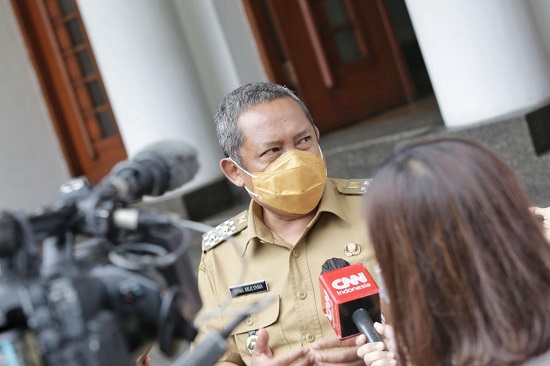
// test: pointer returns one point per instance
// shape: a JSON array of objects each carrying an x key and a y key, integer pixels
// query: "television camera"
[{"x": 91, "y": 280}]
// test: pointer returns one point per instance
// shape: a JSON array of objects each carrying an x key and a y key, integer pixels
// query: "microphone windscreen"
[
  {"x": 179, "y": 157},
  {"x": 333, "y": 263}
]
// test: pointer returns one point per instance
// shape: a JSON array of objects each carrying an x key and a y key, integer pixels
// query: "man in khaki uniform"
[{"x": 297, "y": 219}]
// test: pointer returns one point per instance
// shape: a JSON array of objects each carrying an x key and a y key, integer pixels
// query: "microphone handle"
[{"x": 365, "y": 325}]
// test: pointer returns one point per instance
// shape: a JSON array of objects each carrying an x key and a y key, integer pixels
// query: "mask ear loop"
[
  {"x": 240, "y": 167},
  {"x": 323, "y": 158},
  {"x": 251, "y": 175}
]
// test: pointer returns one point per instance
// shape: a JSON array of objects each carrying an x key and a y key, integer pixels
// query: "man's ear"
[
  {"x": 317, "y": 133},
  {"x": 232, "y": 172}
]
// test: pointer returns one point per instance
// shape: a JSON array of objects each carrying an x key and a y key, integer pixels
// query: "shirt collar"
[
  {"x": 330, "y": 202},
  {"x": 256, "y": 229}
]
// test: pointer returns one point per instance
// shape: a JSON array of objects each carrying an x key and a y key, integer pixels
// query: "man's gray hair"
[{"x": 239, "y": 101}]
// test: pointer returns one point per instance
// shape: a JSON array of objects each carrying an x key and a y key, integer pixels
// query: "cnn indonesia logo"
[
  {"x": 359, "y": 281},
  {"x": 328, "y": 306}
]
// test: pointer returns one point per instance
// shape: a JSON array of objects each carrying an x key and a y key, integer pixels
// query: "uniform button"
[
  {"x": 310, "y": 337},
  {"x": 302, "y": 295},
  {"x": 295, "y": 253},
  {"x": 249, "y": 321}
]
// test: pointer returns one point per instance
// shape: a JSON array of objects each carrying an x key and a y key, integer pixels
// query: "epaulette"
[
  {"x": 353, "y": 186},
  {"x": 224, "y": 230}
]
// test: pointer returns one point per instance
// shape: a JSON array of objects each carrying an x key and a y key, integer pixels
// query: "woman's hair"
[{"x": 464, "y": 260}]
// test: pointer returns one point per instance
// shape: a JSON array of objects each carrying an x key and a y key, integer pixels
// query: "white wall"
[{"x": 32, "y": 166}]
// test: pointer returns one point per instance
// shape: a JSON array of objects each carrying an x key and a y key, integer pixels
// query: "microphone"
[
  {"x": 160, "y": 167},
  {"x": 350, "y": 299}
]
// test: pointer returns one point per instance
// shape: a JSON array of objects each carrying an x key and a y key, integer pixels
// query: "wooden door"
[
  {"x": 72, "y": 85},
  {"x": 341, "y": 56}
]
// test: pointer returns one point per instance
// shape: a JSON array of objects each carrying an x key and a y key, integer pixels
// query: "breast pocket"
[{"x": 263, "y": 312}]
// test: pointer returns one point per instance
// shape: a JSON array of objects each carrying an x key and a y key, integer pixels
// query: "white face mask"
[{"x": 293, "y": 183}]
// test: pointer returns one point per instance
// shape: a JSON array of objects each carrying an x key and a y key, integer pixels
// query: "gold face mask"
[{"x": 294, "y": 183}]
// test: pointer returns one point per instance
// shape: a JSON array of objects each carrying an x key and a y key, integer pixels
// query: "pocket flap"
[{"x": 264, "y": 312}]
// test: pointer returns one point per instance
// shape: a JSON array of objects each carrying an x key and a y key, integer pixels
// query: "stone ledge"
[{"x": 510, "y": 139}]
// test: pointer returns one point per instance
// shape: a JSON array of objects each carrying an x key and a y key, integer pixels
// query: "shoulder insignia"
[
  {"x": 353, "y": 186},
  {"x": 224, "y": 230}
]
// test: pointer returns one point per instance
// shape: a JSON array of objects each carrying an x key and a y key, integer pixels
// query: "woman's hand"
[
  {"x": 333, "y": 352},
  {"x": 378, "y": 353}
]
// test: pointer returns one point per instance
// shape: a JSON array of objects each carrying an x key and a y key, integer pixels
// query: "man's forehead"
[
  {"x": 276, "y": 111},
  {"x": 284, "y": 103}
]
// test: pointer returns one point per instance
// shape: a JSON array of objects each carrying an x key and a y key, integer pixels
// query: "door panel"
[{"x": 344, "y": 60}]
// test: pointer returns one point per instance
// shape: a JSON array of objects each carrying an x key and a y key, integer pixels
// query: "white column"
[
  {"x": 151, "y": 79},
  {"x": 209, "y": 49},
  {"x": 222, "y": 45},
  {"x": 541, "y": 11},
  {"x": 485, "y": 58}
]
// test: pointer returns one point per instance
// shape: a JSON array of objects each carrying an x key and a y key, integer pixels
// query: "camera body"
[
  {"x": 78, "y": 319},
  {"x": 65, "y": 300}
]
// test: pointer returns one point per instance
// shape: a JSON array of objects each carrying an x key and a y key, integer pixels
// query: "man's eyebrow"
[
  {"x": 269, "y": 144},
  {"x": 304, "y": 132}
]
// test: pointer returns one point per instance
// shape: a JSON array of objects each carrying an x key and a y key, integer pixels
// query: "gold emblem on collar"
[
  {"x": 352, "y": 249},
  {"x": 354, "y": 185},
  {"x": 240, "y": 219}
]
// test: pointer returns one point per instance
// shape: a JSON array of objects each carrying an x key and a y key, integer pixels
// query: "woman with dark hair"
[{"x": 464, "y": 261}]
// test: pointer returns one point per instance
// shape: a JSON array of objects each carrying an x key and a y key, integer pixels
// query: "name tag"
[{"x": 248, "y": 288}]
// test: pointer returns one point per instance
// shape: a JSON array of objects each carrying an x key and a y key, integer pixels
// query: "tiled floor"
[{"x": 421, "y": 114}]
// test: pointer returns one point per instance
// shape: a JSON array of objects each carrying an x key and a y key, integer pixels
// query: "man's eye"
[
  {"x": 304, "y": 140},
  {"x": 271, "y": 151}
]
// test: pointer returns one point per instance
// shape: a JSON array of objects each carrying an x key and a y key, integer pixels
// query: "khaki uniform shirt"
[{"x": 295, "y": 318}]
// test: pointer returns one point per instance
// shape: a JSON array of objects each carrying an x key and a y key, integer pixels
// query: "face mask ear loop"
[
  {"x": 323, "y": 158},
  {"x": 244, "y": 170},
  {"x": 252, "y": 193},
  {"x": 241, "y": 168}
]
